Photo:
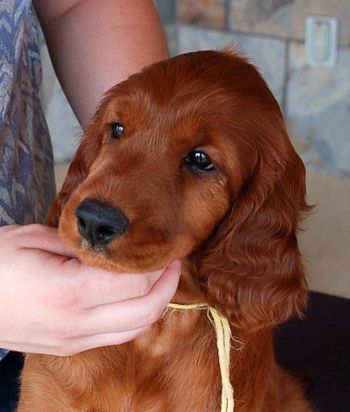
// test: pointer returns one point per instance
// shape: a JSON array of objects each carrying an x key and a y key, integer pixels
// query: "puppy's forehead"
[
  {"x": 192, "y": 107},
  {"x": 207, "y": 84},
  {"x": 184, "y": 111},
  {"x": 184, "y": 121}
]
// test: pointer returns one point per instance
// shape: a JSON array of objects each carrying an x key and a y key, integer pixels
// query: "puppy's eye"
[
  {"x": 117, "y": 130},
  {"x": 199, "y": 160}
]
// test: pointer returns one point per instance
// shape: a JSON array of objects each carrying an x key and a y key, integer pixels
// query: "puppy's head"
[{"x": 191, "y": 156}]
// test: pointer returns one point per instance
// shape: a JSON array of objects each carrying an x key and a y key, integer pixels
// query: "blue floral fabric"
[{"x": 26, "y": 163}]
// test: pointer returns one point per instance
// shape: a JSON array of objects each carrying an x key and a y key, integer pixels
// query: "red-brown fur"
[{"x": 234, "y": 229}]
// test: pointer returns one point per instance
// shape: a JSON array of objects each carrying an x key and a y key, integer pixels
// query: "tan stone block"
[
  {"x": 209, "y": 13},
  {"x": 317, "y": 111}
]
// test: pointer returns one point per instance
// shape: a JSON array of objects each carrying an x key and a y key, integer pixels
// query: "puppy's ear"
[
  {"x": 251, "y": 270},
  {"x": 78, "y": 170}
]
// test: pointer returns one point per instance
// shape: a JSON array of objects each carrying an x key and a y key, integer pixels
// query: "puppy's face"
[{"x": 166, "y": 165}]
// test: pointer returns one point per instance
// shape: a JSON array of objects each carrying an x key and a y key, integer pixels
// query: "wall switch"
[{"x": 321, "y": 40}]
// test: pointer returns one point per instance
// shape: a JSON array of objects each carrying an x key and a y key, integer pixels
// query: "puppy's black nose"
[{"x": 99, "y": 222}]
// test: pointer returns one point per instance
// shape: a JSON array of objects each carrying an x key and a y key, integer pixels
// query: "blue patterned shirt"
[{"x": 26, "y": 164}]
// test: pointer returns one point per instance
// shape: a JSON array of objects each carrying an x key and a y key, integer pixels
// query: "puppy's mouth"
[
  {"x": 88, "y": 246},
  {"x": 110, "y": 258}
]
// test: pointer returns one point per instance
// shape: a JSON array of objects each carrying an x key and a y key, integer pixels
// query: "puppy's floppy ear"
[
  {"x": 251, "y": 269},
  {"x": 78, "y": 170}
]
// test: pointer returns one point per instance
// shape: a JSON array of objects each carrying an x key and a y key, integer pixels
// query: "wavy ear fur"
[
  {"x": 77, "y": 172},
  {"x": 251, "y": 268}
]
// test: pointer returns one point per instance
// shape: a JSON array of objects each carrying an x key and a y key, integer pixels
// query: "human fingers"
[
  {"x": 103, "y": 339},
  {"x": 95, "y": 286},
  {"x": 133, "y": 313},
  {"x": 40, "y": 237},
  {"x": 100, "y": 287},
  {"x": 68, "y": 347}
]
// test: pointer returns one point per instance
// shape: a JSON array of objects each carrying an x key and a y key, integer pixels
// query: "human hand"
[{"x": 52, "y": 303}]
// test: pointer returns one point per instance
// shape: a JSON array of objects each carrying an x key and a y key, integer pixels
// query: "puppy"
[{"x": 189, "y": 159}]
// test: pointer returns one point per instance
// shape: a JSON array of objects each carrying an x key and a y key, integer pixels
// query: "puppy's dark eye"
[
  {"x": 199, "y": 160},
  {"x": 117, "y": 130}
]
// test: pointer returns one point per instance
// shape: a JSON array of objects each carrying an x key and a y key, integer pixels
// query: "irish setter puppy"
[{"x": 187, "y": 159}]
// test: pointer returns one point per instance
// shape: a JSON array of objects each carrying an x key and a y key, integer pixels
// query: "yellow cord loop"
[{"x": 223, "y": 337}]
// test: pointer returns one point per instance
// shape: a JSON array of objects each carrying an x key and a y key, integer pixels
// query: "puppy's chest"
[{"x": 174, "y": 367}]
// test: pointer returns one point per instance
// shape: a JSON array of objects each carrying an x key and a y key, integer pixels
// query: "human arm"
[{"x": 95, "y": 44}]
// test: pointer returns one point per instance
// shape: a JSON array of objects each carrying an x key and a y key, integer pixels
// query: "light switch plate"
[{"x": 321, "y": 40}]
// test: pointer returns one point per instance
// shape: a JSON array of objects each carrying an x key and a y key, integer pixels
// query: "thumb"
[{"x": 44, "y": 238}]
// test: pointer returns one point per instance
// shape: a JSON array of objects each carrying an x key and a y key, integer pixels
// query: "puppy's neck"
[{"x": 188, "y": 291}]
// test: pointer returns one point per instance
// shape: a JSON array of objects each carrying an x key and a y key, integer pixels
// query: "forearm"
[{"x": 95, "y": 44}]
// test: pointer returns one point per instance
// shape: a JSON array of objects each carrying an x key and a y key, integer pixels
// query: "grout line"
[
  {"x": 227, "y": 10},
  {"x": 285, "y": 78}
]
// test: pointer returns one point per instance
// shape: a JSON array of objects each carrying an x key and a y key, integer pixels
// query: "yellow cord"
[{"x": 223, "y": 337}]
